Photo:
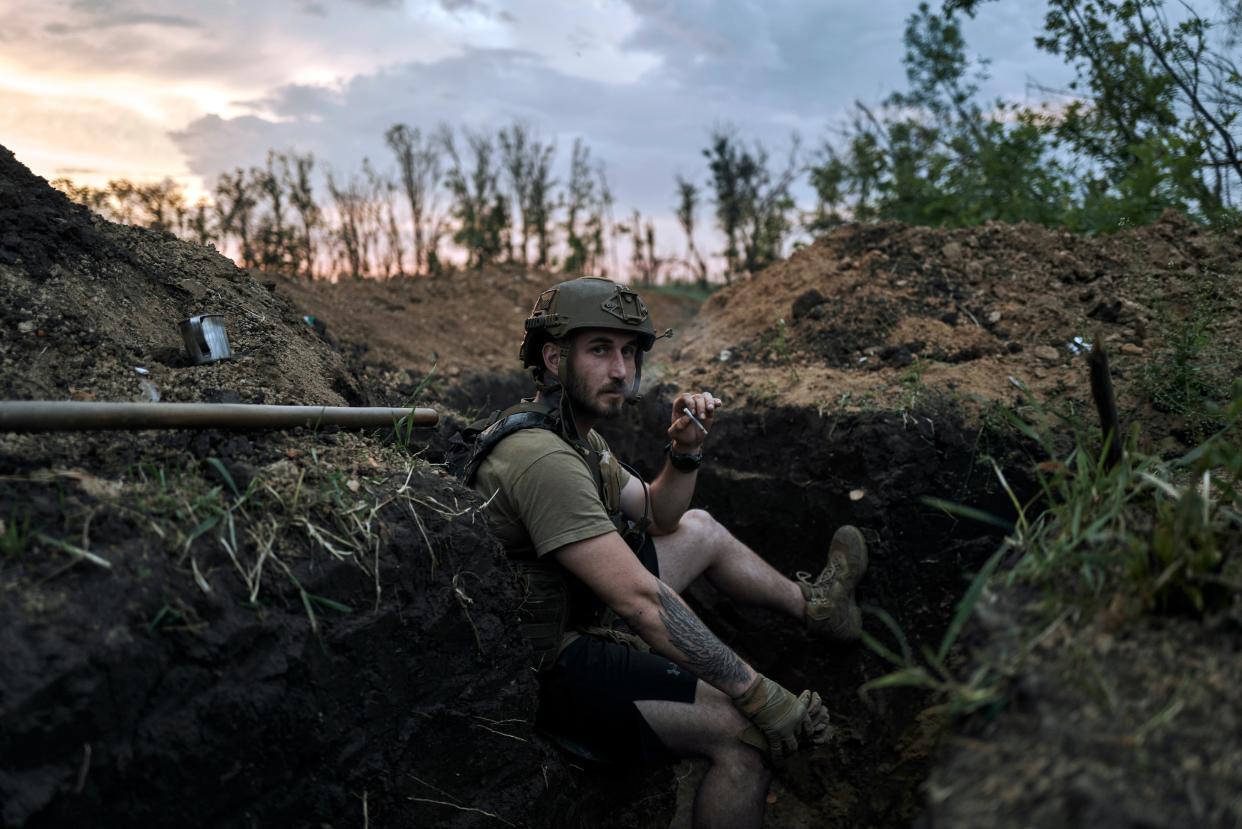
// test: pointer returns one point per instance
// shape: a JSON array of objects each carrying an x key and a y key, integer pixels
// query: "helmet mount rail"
[{"x": 546, "y": 321}]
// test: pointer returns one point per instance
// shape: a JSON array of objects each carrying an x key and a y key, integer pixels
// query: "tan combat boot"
[{"x": 830, "y": 607}]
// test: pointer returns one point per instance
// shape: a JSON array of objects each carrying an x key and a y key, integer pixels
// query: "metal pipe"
[{"x": 65, "y": 416}]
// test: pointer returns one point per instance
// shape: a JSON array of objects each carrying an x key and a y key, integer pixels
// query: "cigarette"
[{"x": 694, "y": 419}]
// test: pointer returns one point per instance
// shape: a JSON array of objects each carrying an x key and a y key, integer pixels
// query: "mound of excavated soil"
[
  {"x": 201, "y": 628},
  {"x": 867, "y": 317},
  {"x": 468, "y": 321},
  {"x": 872, "y": 316},
  {"x": 84, "y": 302}
]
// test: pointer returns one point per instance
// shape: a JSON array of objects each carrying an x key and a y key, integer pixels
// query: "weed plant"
[
  {"x": 935, "y": 670},
  {"x": 1146, "y": 534},
  {"x": 403, "y": 428},
  {"x": 1187, "y": 378},
  {"x": 15, "y": 534},
  {"x": 912, "y": 387},
  {"x": 775, "y": 341}
]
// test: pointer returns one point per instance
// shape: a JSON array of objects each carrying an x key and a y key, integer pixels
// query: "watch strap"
[{"x": 683, "y": 462}]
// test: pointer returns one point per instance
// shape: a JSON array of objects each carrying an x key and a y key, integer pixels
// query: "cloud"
[
  {"x": 460, "y": 8},
  {"x": 643, "y": 81},
  {"x": 645, "y": 132},
  {"x": 94, "y": 6},
  {"x": 97, "y": 15},
  {"x": 166, "y": 52},
  {"x": 57, "y": 136},
  {"x": 798, "y": 55},
  {"x": 313, "y": 8},
  {"x": 123, "y": 19},
  {"x": 804, "y": 55},
  {"x": 295, "y": 102}
]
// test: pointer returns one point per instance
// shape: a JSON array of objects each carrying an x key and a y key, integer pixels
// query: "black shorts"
[{"x": 586, "y": 700}]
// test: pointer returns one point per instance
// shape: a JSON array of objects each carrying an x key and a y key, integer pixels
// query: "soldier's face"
[{"x": 601, "y": 371}]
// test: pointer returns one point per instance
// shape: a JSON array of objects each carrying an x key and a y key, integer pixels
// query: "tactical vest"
[{"x": 543, "y": 585}]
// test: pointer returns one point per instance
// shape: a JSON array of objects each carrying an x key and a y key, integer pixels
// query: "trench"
[
  {"x": 421, "y": 712},
  {"x": 783, "y": 479}
]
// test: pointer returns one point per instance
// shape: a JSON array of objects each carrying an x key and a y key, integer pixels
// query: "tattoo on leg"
[{"x": 706, "y": 655}]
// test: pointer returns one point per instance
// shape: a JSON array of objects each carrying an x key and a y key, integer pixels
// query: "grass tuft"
[
  {"x": 1143, "y": 534},
  {"x": 15, "y": 534}
]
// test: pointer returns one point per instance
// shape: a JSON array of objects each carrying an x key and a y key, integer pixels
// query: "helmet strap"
[
  {"x": 537, "y": 374},
  {"x": 634, "y": 398},
  {"x": 569, "y": 424}
]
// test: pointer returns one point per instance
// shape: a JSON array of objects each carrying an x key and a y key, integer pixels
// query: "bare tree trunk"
[{"x": 418, "y": 160}]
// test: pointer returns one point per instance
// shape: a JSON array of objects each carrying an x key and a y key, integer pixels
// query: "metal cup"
[{"x": 205, "y": 338}]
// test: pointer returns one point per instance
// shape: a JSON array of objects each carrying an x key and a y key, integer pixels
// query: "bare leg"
[
  {"x": 734, "y": 789},
  {"x": 702, "y": 546}
]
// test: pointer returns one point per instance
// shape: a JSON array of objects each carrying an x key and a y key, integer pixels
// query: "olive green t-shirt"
[{"x": 544, "y": 495}]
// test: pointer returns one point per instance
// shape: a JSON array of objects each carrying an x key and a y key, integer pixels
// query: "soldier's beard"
[{"x": 591, "y": 402}]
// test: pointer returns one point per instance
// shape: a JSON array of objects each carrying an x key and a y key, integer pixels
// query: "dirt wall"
[{"x": 783, "y": 479}]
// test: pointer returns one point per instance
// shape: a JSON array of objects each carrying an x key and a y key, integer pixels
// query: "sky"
[{"x": 99, "y": 89}]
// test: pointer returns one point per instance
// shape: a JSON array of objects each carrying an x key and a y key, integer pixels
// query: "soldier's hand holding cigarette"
[{"x": 692, "y": 420}]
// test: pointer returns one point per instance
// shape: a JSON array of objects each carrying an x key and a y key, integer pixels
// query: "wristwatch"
[{"x": 683, "y": 462}]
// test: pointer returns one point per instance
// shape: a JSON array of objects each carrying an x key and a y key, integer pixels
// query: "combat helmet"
[{"x": 586, "y": 302}]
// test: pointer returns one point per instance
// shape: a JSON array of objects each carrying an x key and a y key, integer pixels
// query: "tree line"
[
  {"x": 1150, "y": 121},
  {"x": 468, "y": 195}
]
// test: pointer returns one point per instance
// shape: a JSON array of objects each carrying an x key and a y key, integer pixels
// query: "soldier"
[{"x": 628, "y": 673}]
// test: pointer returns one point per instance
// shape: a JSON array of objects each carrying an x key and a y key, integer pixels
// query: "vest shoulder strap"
[
  {"x": 479, "y": 438},
  {"x": 483, "y": 435}
]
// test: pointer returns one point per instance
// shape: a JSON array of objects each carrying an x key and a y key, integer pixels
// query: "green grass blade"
[
  {"x": 965, "y": 511},
  {"x": 894, "y": 628},
  {"x": 159, "y": 617},
  {"x": 905, "y": 678},
  {"x": 202, "y": 527},
  {"x": 330, "y": 603},
  {"x": 881, "y": 649},
  {"x": 218, "y": 465},
  {"x": 74, "y": 550},
  {"x": 310, "y": 610},
  {"x": 967, "y": 605},
  {"x": 404, "y": 426},
  {"x": 422, "y": 384}
]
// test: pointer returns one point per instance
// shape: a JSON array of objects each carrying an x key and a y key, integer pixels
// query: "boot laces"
[
  {"x": 826, "y": 576},
  {"x": 821, "y": 584}
]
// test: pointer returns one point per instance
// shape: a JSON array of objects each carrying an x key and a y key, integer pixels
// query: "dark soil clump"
[
  {"x": 40, "y": 228},
  {"x": 154, "y": 693},
  {"x": 1110, "y": 723}
]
